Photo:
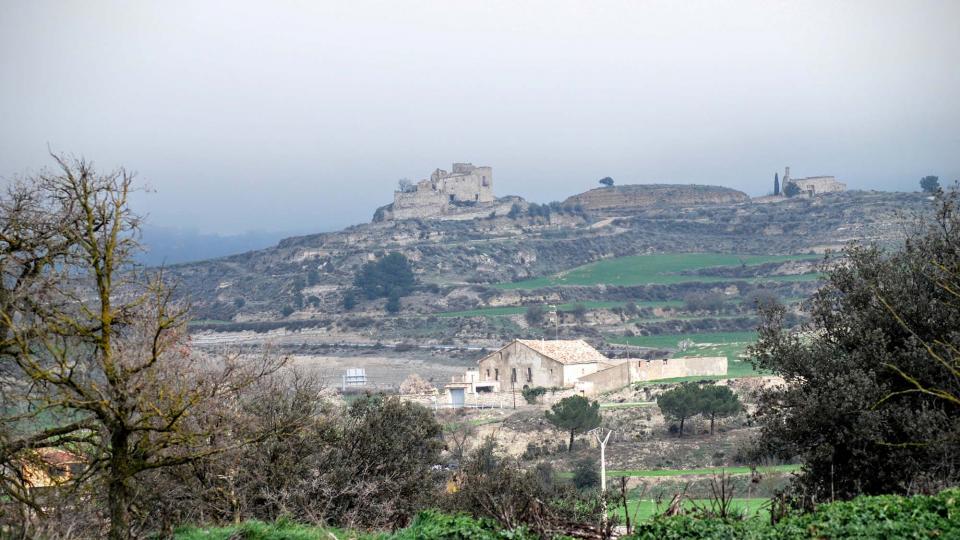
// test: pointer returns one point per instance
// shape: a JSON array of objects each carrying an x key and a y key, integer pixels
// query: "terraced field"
[
  {"x": 729, "y": 344},
  {"x": 660, "y": 269},
  {"x": 508, "y": 311}
]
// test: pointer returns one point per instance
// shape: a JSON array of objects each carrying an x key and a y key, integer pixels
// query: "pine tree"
[{"x": 776, "y": 183}]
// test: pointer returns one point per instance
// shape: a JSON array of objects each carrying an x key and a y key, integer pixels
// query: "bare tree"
[{"x": 94, "y": 350}]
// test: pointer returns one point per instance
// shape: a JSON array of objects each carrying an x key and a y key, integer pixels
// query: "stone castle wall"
[{"x": 443, "y": 193}]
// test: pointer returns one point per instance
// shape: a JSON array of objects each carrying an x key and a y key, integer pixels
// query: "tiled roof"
[{"x": 566, "y": 351}]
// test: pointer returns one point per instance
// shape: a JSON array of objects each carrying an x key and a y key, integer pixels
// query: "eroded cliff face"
[{"x": 625, "y": 199}]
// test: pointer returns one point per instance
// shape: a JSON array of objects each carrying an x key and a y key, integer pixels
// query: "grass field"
[
  {"x": 628, "y": 405},
  {"x": 657, "y": 473},
  {"x": 644, "y": 509},
  {"x": 701, "y": 342},
  {"x": 664, "y": 268},
  {"x": 729, "y": 344},
  {"x": 661, "y": 473},
  {"x": 507, "y": 311}
]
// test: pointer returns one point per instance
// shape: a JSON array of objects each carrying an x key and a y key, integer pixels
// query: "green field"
[
  {"x": 730, "y": 344},
  {"x": 506, "y": 311},
  {"x": 628, "y": 405},
  {"x": 657, "y": 473},
  {"x": 664, "y": 268},
  {"x": 644, "y": 509},
  {"x": 701, "y": 342},
  {"x": 660, "y": 473}
]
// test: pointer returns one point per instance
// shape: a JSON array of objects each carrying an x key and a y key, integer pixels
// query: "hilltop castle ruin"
[{"x": 443, "y": 193}]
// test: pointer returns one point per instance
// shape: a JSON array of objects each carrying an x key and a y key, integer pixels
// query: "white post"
[
  {"x": 603, "y": 458},
  {"x": 603, "y": 473}
]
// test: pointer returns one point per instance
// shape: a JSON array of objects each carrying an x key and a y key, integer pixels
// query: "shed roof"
[{"x": 566, "y": 351}]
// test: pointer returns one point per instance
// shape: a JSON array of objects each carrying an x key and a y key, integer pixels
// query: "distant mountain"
[{"x": 169, "y": 245}]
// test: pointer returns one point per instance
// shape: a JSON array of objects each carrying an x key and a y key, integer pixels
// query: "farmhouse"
[
  {"x": 551, "y": 364},
  {"x": 568, "y": 364}
]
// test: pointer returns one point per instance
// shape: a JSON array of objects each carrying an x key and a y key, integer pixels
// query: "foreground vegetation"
[{"x": 887, "y": 516}]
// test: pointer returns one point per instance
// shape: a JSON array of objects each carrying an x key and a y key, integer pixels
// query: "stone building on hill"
[
  {"x": 445, "y": 192},
  {"x": 813, "y": 185}
]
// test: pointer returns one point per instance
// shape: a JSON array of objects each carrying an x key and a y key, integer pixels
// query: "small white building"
[{"x": 354, "y": 377}]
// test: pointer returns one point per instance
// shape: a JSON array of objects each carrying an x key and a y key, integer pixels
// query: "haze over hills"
[{"x": 168, "y": 245}]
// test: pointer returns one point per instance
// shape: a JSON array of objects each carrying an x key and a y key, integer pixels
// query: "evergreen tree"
[
  {"x": 381, "y": 278},
  {"x": 574, "y": 414},
  {"x": 349, "y": 300},
  {"x": 872, "y": 400},
  {"x": 930, "y": 184},
  {"x": 393, "y": 302},
  {"x": 776, "y": 183},
  {"x": 718, "y": 402},
  {"x": 680, "y": 403}
]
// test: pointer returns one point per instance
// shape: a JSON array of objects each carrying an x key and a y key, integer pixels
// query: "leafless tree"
[{"x": 94, "y": 352}]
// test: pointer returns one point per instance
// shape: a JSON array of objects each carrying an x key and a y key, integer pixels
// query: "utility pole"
[
  {"x": 603, "y": 457},
  {"x": 556, "y": 321},
  {"x": 603, "y": 473}
]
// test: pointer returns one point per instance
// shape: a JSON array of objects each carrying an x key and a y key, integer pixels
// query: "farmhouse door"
[{"x": 456, "y": 398}]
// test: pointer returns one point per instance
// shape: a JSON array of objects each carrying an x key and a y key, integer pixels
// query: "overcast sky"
[{"x": 283, "y": 115}]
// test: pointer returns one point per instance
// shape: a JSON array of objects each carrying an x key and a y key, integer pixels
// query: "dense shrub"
[
  {"x": 493, "y": 486},
  {"x": 586, "y": 474},
  {"x": 389, "y": 275},
  {"x": 531, "y": 395},
  {"x": 535, "y": 315},
  {"x": 885, "y": 516},
  {"x": 872, "y": 404},
  {"x": 432, "y": 525}
]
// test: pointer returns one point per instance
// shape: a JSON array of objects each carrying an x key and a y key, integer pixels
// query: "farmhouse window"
[
  {"x": 488, "y": 374},
  {"x": 529, "y": 375},
  {"x": 513, "y": 374},
  {"x": 496, "y": 374}
]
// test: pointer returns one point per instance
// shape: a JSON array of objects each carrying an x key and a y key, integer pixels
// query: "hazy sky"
[{"x": 283, "y": 115}]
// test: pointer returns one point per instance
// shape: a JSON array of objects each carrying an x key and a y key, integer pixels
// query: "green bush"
[
  {"x": 532, "y": 394},
  {"x": 586, "y": 474},
  {"x": 884, "y": 516},
  {"x": 391, "y": 274},
  {"x": 432, "y": 525}
]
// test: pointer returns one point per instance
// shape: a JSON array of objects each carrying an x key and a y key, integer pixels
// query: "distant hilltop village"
[
  {"x": 466, "y": 192},
  {"x": 466, "y": 185}
]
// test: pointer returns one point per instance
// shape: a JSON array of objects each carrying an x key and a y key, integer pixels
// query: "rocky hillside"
[
  {"x": 622, "y": 200},
  {"x": 301, "y": 281}
]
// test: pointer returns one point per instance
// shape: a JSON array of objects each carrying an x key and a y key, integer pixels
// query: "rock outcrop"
[{"x": 625, "y": 199}]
